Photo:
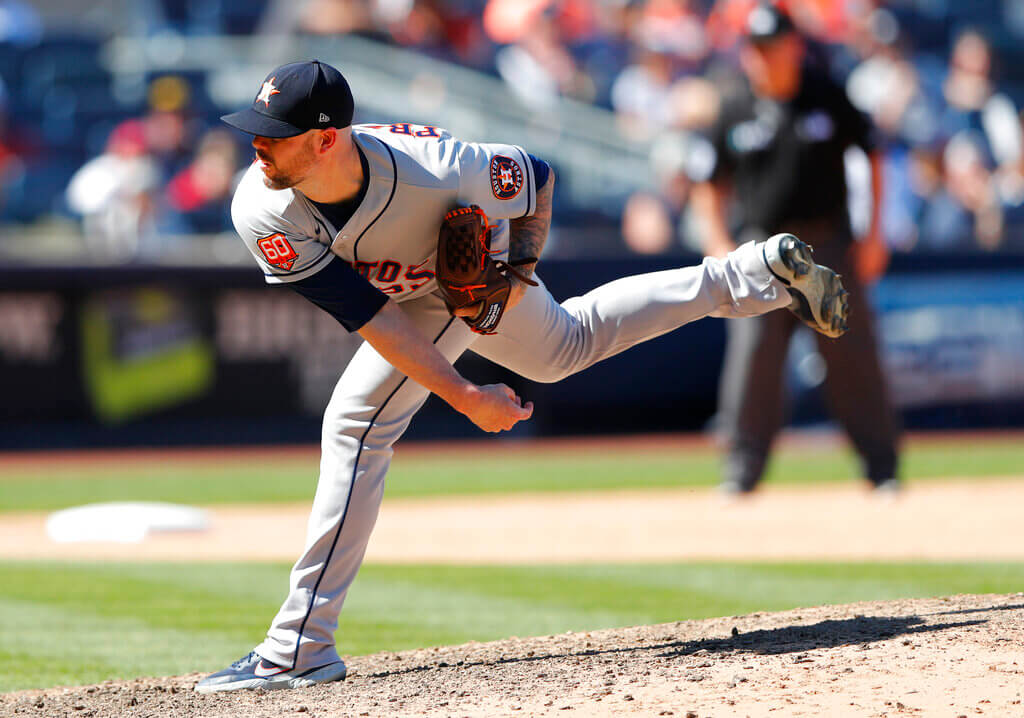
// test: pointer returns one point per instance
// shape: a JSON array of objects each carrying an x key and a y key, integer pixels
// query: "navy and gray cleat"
[
  {"x": 254, "y": 671},
  {"x": 819, "y": 300}
]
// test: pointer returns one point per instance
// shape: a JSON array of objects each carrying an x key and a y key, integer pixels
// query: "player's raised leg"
[{"x": 547, "y": 341}]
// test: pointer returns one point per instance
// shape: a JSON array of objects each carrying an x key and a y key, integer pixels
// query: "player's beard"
[
  {"x": 279, "y": 181},
  {"x": 277, "y": 178}
]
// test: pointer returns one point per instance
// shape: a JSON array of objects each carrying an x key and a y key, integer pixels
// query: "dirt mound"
[{"x": 950, "y": 656}]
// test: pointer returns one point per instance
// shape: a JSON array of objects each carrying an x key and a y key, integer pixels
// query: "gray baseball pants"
[{"x": 540, "y": 339}]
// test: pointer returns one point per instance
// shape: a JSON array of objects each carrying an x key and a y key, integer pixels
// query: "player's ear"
[{"x": 328, "y": 139}]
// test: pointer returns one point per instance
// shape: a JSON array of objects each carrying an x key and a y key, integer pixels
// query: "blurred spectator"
[
  {"x": 462, "y": 40},
  {"x": 538, "y": 67},
  {"x": 886, "y": 85},
  {"x": 317, "y": 17},
  {"x": 641, "y": 94},
  {"x": 336, "y": 17},
  {"x": 419, "y": 24},
  {"x": 964, "y": 212},
  {"x": 675, "y": 26},
  {"x": 726, "y": 21},
  {"x": 831, "y": 21},
  {"x": 1011, "y": 192},
  {"x": 118, "y": 193},
  {"x": 649, "y": 60},
  {"x": 669, "y": 42},
  {"x": 662, "y": 221},
  {"x": 647, "y": 226},
  {"x": 602, "y": 42},
  {"x": 168, "y": 126},
  {"x": 693, "y": 103},
  {"x": 451, "y": 30},
  {"x": 114, "y": 194},
  {"x": 653, "y": 223},
  {"x": 974, "y": 104},
  {"x": 198, "y": 198},
  {"x": 911, "y": 177},
  {"x": 16, "y": 148},
  {"x": 11, "y": 165},
  {"x": 508, "y": 21}
]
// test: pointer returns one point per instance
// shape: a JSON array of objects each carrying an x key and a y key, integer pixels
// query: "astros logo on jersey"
[
  {"x": 506, "y": 177},
  {"x": 266, "y": 91}
]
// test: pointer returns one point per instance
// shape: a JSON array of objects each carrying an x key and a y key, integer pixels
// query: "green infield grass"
[
  {"x": 176, "y": 478},
  {"x": 81, "y": 623}
]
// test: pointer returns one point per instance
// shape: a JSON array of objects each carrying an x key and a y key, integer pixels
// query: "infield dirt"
[
  {"x": 955, "y": 656},
  {"x": 968, "y": 519}
]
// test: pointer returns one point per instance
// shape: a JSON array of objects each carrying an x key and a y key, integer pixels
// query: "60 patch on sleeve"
[
  {"x": 506, "y": 177},
  {"x": 278, "y": 251}
]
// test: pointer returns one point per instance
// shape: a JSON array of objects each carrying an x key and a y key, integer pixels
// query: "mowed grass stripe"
[
  {"x": 83, "y": 646},
  {"x": 85, "y": 623},
  {"x": 263, "y": 480}
]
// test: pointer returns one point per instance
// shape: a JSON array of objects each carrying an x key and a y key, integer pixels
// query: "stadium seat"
[
  {"x": 230, "y": 17},
  {"x": 40, "y": 191}
]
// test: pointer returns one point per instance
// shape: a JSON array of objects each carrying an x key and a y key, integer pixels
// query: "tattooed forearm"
[{"x": 528, "y": 234}]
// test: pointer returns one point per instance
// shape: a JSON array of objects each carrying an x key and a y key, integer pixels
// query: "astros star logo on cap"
[
  {"x": 310, "y": 95},
  {"x": 267, "y": 90}
]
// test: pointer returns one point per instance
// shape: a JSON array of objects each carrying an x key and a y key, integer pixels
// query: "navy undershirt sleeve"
[
  {"x": 540, "y": 171},
  {"x": 343, "y": 293}
]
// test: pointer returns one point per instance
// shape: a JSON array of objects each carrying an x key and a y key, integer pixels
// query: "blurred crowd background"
[
  {"x": 110, "y": 146},
  {"x": 130, "y": 313}
]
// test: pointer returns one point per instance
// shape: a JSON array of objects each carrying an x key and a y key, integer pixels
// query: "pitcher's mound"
[{"x": 962, "y": 655}]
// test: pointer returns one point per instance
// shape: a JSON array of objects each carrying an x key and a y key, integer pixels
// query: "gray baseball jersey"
[{"x": 416, "y": 174}]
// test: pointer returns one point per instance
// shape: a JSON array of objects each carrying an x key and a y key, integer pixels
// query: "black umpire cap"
[
  {"x": 295, "y": 98},
  {"x": 767, "y": 22}
]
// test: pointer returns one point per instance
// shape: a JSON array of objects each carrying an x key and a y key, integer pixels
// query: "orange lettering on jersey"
[
  {"x": 278, "y": 251},
  {"x": 406, "y": 128},
  {"x": 388, "y": 270}
]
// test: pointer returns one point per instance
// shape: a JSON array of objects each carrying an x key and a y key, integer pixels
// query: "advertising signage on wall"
[
  {"x": 104, "y": 354},
  {"x": 953, "y": 338}
]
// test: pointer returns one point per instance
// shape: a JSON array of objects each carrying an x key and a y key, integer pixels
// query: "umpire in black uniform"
[{"x": 778, "y": 152}]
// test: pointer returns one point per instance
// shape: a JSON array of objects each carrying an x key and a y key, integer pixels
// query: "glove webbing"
[{"x": 503, "y": 267}]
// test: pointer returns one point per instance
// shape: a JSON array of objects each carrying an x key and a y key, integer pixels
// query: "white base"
[{"x": 122, "y": 522}]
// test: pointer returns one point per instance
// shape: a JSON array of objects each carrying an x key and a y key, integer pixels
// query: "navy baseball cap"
[
  {"x": 296, "y": 98},
  {"x": 767, "y": 22}
]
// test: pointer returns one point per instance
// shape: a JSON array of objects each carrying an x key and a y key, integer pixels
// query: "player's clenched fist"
[{"x": 494, "y": 407}]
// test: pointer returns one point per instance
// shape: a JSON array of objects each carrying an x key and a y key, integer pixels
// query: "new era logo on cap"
[{"x": 296, "y": 98}]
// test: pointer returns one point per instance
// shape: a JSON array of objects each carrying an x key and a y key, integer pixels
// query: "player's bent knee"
[{"x": 546, "y": 375}]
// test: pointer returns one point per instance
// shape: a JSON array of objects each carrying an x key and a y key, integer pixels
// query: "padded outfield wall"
[{"x": 156, "y": 355}]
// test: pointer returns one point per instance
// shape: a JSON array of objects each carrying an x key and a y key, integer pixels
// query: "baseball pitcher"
[{"x": 426, "y": 246}]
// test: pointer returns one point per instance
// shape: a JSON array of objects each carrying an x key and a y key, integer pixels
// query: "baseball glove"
[{"x": 466, "y": 273}]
